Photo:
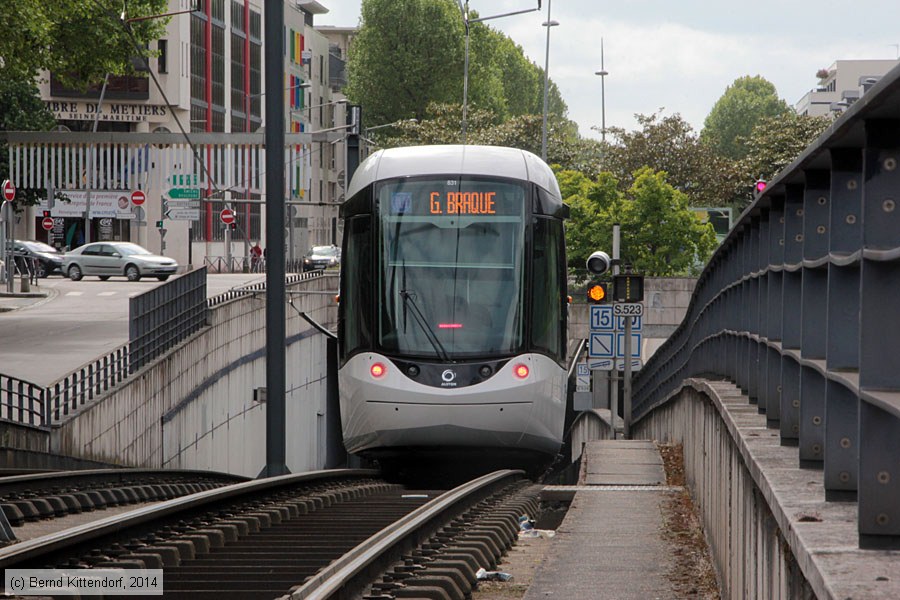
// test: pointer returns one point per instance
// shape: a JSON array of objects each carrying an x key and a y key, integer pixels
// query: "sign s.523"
[{"x": 630, "y": 309}]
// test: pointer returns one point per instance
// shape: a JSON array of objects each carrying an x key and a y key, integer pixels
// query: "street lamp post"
[
  {"x": 602, "y": 73},
  {"x": 548, "y": 24},
  {"x": 464, "y": 9}
]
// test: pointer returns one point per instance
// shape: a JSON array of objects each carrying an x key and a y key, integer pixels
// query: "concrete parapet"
[
  {"x": 194, "y": 407},
  {"x": 770, "y": 530}
]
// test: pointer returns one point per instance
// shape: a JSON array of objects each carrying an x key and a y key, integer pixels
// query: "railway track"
[
  {"x": 34, "y": 497},
  {"x": 326, "y": 534}
]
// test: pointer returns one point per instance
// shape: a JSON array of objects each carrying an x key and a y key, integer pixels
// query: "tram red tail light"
[
  {"x": 449, "y": 325},
  {"x": 378, "y": 370},
  {"x": 521, "y": 371}
]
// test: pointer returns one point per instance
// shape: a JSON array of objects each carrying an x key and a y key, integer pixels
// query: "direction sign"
[
  {"x": 602, "y": 345},
  {"x": 184, "y": 193},
  {"x": 9, "y": 190},
  {"x": 601, "y": 317},
  {"x": 227, "y": 216},
  {"x": 181, "y": 204},
  {"x": 183, "y": 214},
  {"x": 47, "y": 223},
  {"x": 138, "y": 197}
]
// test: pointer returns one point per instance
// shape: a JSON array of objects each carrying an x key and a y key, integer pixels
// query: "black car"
[{"x": 37, "y": 257}]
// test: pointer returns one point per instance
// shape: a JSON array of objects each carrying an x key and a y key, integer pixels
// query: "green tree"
[
  {"x": 409, "y": 53},
  {"x": 660, "y": 234},
  {"x": 77, "y": 40},
  {"x": 595, "y": 205},
  {"x": 668, "y": 143},
  {"x": 441, "y": 126},
  {"x": 732, "y": 118},
  {"x": 776, "y": 142}
]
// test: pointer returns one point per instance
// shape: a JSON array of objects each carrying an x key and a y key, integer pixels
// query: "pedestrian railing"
[{"x": 798, "y": 308}]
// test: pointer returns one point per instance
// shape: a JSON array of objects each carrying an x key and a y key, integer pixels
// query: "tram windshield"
[{"x": 451, "y": 254}]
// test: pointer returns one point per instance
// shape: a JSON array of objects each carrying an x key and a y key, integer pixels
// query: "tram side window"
[
  {"x": 548, "y": 330},
  {"x": 356, "y": 296}
]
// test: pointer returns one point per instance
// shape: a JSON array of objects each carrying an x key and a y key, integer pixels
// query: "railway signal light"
[
  {"x": 759, "y": 187},
  {"x": 628, "y": 288},
  {"x": 599, "y": 292},
  {"x": 599, "y": 262}
]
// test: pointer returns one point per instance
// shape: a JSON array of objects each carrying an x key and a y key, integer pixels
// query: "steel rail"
[
  {"x": 339, "y": 573},
  {"x": 40, "y": 481},
  {"x": 115, "y": 525}
]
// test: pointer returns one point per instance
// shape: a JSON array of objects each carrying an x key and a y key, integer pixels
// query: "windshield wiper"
[{"x": 418, "y": 317}]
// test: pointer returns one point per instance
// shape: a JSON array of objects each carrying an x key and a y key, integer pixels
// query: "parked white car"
[{"x": 110, "y": 259}]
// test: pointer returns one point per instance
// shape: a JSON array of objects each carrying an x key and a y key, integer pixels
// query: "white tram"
[{"x": 452, "y": 315}]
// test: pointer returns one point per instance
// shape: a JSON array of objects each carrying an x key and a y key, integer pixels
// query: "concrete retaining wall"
[
  {"x": 771, "y": 532},
  {"x": 194, "y": 407}
]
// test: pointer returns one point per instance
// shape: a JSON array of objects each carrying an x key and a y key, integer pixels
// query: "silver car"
[{"x": 108, "y": 259}]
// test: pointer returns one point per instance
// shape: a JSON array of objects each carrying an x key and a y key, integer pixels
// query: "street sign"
[
  {"x": 138, "y": 197},
  {"x": 227, "y": 216},
  {"x": 635, "y": 345},
  {"x": 583, "y": 378},
  {"x": 187, "y": 180},
  {"x": 602, "y": 345},
  {"x": 9, "y": 190},
  {"x": 603, "y": 364},
  {"x": 636, "y": 364},
  {"x": 181, "y": 204},
  {"x": 601, "y": 317},
  {"x": 628, "y": 309},
  {"x": 183, "y": 214},
  {"x": 184, "y": 193},
  {"x": 47, "y": 223},
  {"x": 637, "y": 323}
]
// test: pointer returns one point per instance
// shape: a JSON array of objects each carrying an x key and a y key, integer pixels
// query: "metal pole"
[
  {"x": 6, "y": 216},
  {"x": 626, "y": 391},
  {"x": 614, "y": 374},
  {"x": 275, "y": 288},
  {"x": 602, "y": 95},
  {"x": 90, "y": 165},
  {"x": 546, "y": 86},
  {"x": 466, "y": 79}
]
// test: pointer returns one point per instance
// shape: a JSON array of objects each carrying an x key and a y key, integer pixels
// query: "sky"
[{"x": 680, "y": 55}]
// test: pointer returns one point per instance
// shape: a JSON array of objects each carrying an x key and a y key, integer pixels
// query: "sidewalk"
[
  {"x": 15, "y": 300},
  {"x": 609, "y": 546}
]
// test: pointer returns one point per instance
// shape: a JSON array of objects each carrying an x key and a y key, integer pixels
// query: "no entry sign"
[
  {"x": 9, "y": 190},
  {"x": 227, "y": 216},
  {"x": 138, "y": 197},
  {"x": 47, "y": 223}
]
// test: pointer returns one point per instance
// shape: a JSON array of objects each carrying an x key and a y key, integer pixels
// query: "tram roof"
[{"x": 414, "y": 161}]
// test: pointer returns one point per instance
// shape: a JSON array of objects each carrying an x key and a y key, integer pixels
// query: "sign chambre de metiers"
[{"x": 75, "y": 110}]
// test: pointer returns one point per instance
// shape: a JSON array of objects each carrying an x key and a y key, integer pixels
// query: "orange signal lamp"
[
  {"x": 597, "y": 293},
  {"x": 521, "y": 371}
]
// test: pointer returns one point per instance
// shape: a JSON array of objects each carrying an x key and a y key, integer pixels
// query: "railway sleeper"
[{"x": 14, "y": 514}]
